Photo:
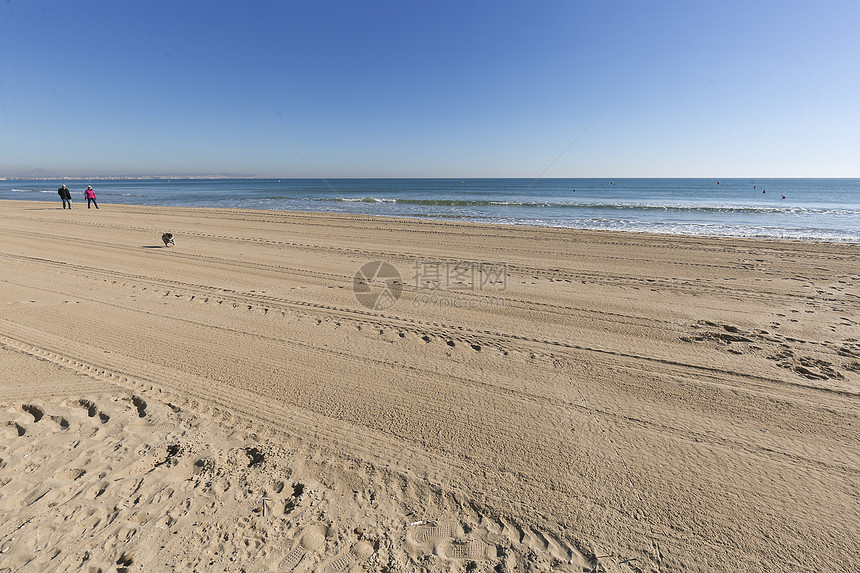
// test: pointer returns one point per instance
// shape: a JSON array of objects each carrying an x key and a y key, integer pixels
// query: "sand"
[{"x": 531, "y": 400}]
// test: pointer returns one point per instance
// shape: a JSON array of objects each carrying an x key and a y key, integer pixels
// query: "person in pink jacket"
[{"x": 90, "y": 196}]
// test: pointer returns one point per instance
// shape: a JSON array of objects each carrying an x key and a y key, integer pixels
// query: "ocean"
[{"x": 803, "y": 209}]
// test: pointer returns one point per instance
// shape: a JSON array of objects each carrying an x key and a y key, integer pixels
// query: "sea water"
[{"x": 810, "y": 209}]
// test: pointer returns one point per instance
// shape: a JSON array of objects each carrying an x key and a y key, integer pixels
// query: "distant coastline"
[{"x": 127, "y": 177}]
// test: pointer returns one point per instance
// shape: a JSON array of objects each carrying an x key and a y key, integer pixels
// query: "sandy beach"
[{"x": 313, "y": 392}]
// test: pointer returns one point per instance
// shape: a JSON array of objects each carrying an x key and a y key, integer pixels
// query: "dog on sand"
[{"x": 168, "y": 239}]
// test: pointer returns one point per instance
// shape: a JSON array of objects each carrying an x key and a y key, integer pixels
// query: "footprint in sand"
[
  {"x": 18, "y": 428},
  {"x": 312, "y": 539},
  {"x": 474, "y": 549},
  {"x": 34, "y": 411},
  {"x": 427, "y": 533},
  {"x": 140, "y": 404},
  {"x": 93, "y": 411},
  {"x": 357, "y": 553}
]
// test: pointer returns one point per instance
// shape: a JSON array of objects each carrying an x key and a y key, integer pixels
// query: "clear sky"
[{"x": 409, "y": 88}]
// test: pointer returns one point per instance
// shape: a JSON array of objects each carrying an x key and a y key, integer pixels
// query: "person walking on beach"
[
  {"x": 66, "y": 196},
  {"x": 90, "y": 196}
]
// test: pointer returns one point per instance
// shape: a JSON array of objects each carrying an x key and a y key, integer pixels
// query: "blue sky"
[{"x": 431, "y": 89}]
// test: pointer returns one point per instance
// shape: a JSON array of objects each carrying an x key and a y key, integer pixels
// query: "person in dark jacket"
[{"x": 66, "y": 196}]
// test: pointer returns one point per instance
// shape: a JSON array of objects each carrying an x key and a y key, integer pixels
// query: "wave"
[
  {"x": 714, "y": 230},
  {"x": 362, "y": 200},
  {"x": 740, "y": 209},
  {"x": 30, "y": 191}
]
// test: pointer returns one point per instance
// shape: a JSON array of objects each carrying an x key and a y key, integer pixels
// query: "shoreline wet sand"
[{"x": 532, "y": 399}]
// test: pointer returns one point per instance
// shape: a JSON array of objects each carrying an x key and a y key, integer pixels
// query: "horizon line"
[{"x": 237, "y": 177}]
